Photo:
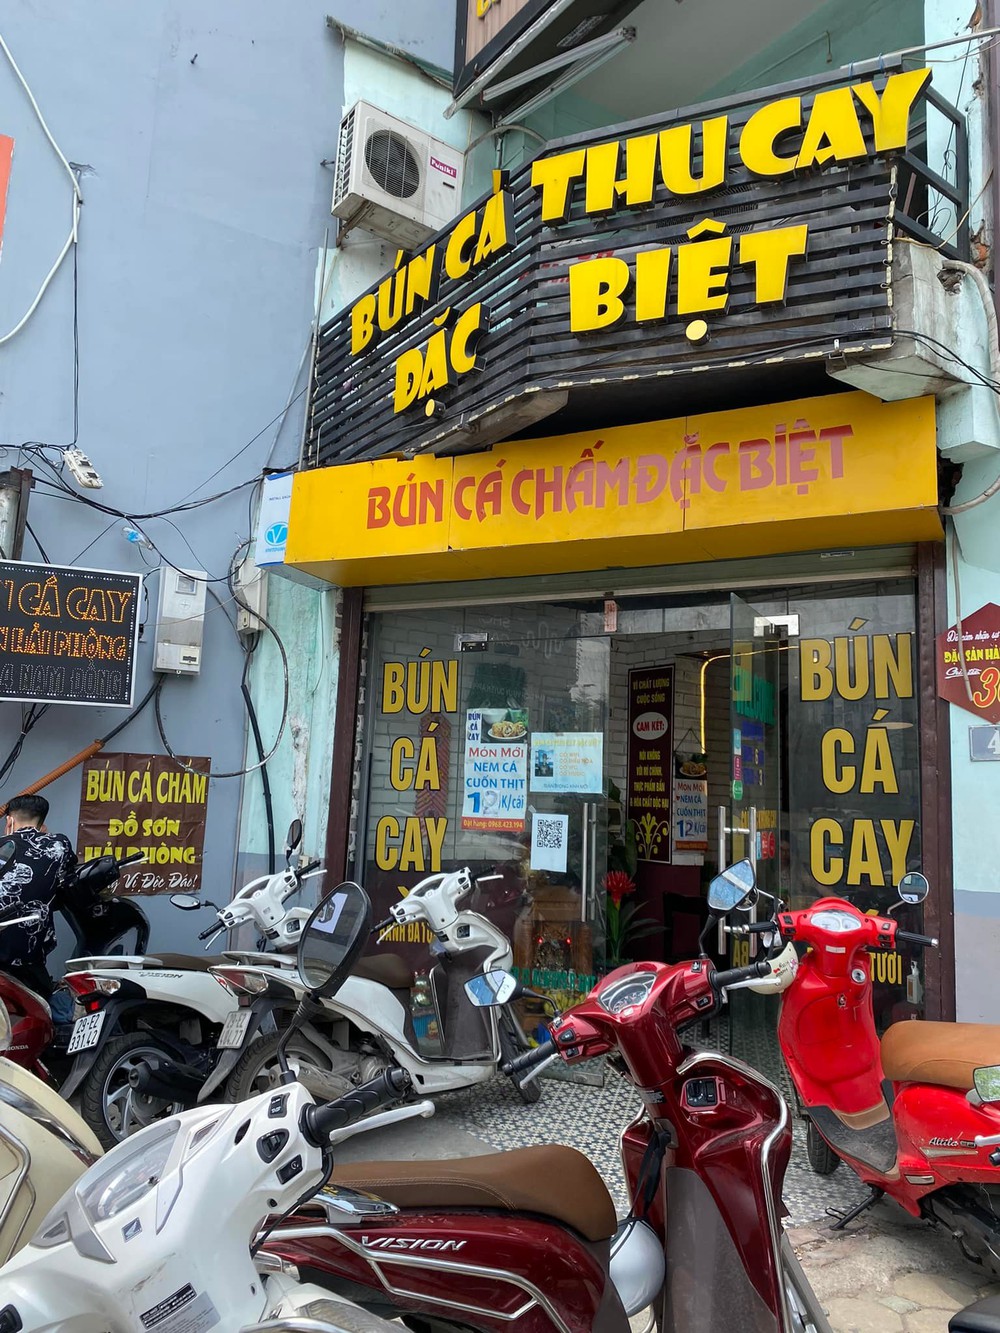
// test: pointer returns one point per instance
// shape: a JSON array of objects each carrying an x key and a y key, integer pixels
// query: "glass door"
[
  {"x": 533, "y": 784},
  {"x": 752, "y": 829},
  {"x": 485, "y": 747}
]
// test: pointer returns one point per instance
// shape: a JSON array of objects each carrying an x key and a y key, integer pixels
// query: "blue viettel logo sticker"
[{"x": 277, "y": 534}]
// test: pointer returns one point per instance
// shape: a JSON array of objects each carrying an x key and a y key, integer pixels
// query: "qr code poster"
[{"x": 549, "y": 841}]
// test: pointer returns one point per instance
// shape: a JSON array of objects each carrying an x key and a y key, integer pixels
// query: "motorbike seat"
[
  {"x": 185, "y": 962},
  {"x": 552, "y": 1180},
  {"x": 388, "y": 969},
  {"x": 943, "y": 1053},
  {"x": 983, "y": 1317}
]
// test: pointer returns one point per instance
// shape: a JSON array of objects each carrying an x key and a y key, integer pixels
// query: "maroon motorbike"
[
  {"x": 530, "y": 1236},
  {"x": 37, "y": 1042}
]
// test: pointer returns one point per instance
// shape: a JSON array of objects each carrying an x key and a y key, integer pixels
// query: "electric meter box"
[{"x": 180, "y": 621}]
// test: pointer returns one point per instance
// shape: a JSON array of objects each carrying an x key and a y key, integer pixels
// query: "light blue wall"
[
  {"x": 841, "y": 32},
  {"x": 201, "y": 128},
  {"x": 971, "y": 415}
]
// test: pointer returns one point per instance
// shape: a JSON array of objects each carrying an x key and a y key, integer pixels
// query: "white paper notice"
[
  {"x": 549, "y": 841},
  {"x": 567, "y": 761}
]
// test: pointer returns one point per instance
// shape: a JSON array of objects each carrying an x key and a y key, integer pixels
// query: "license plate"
[
  {"x": 234, "y": 1030},
  {"x": 86, "y": 1032}
]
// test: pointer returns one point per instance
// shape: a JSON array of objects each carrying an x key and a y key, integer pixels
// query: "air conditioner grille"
[
  {"x": 345, "y": 148},
  {"x": 392, "y": 164}
]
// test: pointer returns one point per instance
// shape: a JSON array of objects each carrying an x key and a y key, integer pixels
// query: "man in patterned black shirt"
[{"x": 43, "y": 866}]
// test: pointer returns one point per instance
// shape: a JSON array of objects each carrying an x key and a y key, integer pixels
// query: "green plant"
[{"x": 622, "y": 924}]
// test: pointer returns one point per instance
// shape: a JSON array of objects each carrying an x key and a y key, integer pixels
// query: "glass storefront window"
[
  {"x": 854, "y": 766},
  {"x": 485, "y": 748},
  {"x": 500, "y": 738}
]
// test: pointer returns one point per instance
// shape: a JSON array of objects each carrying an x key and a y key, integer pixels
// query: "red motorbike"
[
  {"x": 96, "y": 926},
  {"x": 915, "y": 1115},
  {"x": 531, "y": 1234}
]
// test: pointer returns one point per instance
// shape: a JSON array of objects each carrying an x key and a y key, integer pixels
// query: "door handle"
[
  {"x": 585, "y": 862},
  {"x": 751, "y": 833}
]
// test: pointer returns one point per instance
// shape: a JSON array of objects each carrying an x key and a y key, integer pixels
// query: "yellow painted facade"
[{"x": 839, "y": 470}]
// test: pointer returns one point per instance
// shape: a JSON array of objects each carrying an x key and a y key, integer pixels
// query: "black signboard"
[
  {"x": 650, "y": 759},
  {"x": 68, "y": 635},
  {"x": 743, "y": 235}
]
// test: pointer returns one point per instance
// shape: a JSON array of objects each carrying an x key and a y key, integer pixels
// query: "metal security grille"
[{"x": 392, "y": 164}]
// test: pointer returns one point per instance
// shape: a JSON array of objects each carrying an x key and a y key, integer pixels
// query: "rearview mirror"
[
  {"x": 492, "y": 988},
  {"x": 8, "y": 850},
  {"x": 293, "y": 836},
  {"x": 332, "y": 938},
  {"x": 986, "y": 1082},
  {"x": 734, "y": 888},
  {"x": 187, "y": 902},
  {"x": 914, "y": 887}
]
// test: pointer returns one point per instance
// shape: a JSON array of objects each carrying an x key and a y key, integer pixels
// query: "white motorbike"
[
  {"x": 124, "y": 1248},
  {"x": 368, "y": 1026},
  {"x": 146, "y": 1039},
  {"x": 44, "y": 1145}
]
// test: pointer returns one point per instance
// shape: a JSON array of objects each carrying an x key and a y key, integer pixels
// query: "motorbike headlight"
[{"x": 131, "y": 1171}]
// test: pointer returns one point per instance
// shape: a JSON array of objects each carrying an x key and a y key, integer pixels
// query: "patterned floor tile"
[{"x": 591, "y": 1119}]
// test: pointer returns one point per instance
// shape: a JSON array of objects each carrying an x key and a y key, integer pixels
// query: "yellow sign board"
[
  {"x": 844, "y": 469},
  {"x": 690, "y": 279}
]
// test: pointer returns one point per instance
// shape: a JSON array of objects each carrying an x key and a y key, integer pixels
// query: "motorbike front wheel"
[
  {"x": 110, "y": 1105},
  {"x": 823, "y": 1160},
  {"x": 512, "y": 1043}
]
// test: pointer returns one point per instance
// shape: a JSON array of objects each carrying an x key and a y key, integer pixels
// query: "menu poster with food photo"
[
  {"x": 495, "y": 783},
  {"x": 568, "y": 761}
]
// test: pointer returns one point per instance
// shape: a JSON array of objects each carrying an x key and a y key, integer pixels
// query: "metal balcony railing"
[{"x": 930, "y": 208}]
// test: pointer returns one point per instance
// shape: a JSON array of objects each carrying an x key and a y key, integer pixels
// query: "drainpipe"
[{"x": 991, "y": 73}]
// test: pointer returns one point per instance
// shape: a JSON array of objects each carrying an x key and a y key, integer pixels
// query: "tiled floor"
[{"x": 591, "y": 1119}]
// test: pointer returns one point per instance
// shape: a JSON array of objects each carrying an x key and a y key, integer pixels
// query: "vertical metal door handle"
[
  {"x": 584, "y": 868},
  {"x": 723, "y": 819},
  {"x": 593, "y": 855},
  {"x": 752, "y": 821}
]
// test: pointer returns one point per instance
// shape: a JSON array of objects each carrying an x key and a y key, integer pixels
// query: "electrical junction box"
[
  {"x": 250, "y": 584},
  {"x": 180, "y": 621}
]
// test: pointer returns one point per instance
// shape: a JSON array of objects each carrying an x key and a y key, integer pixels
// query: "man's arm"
[{"x": 67, "y": 866}]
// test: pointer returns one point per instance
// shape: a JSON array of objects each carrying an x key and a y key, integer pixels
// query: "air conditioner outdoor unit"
[{"x": 394, "y": 179}]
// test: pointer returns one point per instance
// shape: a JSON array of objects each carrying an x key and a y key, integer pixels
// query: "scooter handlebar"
[
  {"x": 529, "y": 1059},
  {"x": 927, "y": 941},
  {"x": 319, "y": 1122},
  {"x": 730, "y": 976},
  {"x": 754, "y": 928},
  {"x": 212, "y": 930}
]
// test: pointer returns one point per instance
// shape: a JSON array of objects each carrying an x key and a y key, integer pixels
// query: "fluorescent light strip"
[
  {"x": 571, "y": 57},
  {"x": 625, "y": 37}
]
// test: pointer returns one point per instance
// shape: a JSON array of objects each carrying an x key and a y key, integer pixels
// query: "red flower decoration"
[{"x": 618, "y": 884}]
